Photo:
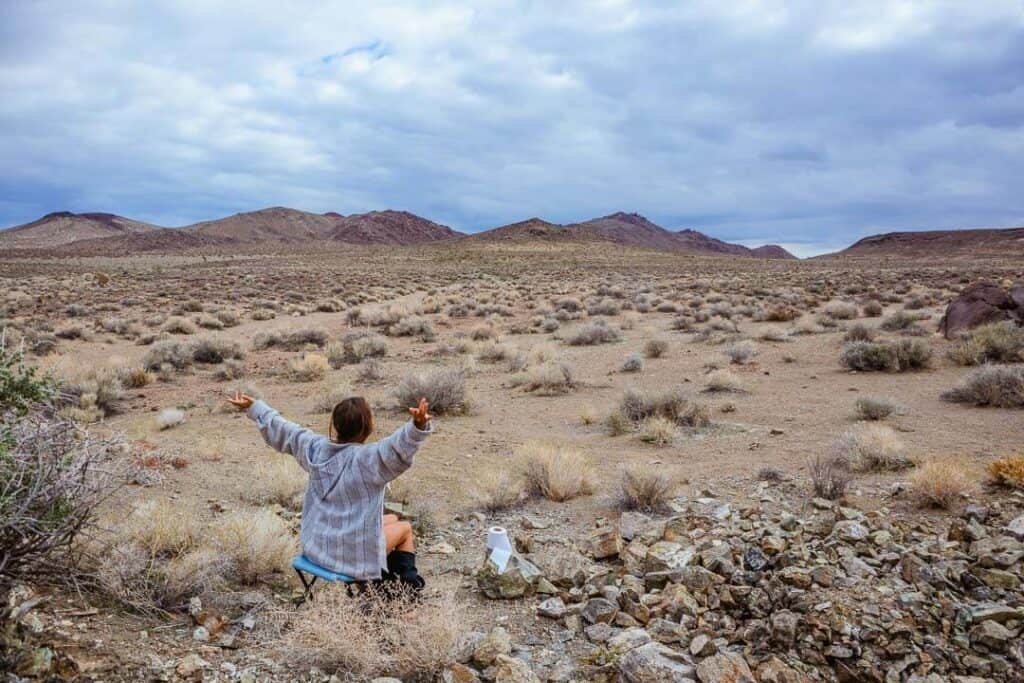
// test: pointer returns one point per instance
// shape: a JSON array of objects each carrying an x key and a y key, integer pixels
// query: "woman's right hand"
[
  {"x": 241, "y": 401},
  {"x": 421, "y": 414}
]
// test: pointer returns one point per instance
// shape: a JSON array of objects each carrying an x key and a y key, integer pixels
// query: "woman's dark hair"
[{"x": 351, "y": 420}]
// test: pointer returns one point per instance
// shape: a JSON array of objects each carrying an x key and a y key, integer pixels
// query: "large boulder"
[{"x": 981, "y": 303}]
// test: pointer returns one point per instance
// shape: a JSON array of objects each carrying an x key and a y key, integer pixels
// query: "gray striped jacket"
[{"x": 344, "y": 503}]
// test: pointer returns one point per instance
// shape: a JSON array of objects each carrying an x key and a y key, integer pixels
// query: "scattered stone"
[
  {"x": 1016, "y": 528},
  {"x": 654, "y": 663},
  {"x": 552, "y": 608},
  {"x": 726, "y": 667},
  {"x": 605, "y": 542},
  {"x": 849, "y": 531},
  {"x": 497, "y": 642},
  {"x": 511, "y": 670},
  {"x": 519, "y": 578},
  {"x": 191, "y": 667},
  {"x": 599, "y": 611}
]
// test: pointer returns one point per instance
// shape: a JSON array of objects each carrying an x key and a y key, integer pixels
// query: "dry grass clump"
[
  {"x": 644, "y": 488},
  {"x": 169, "y": 417},
  {"x": 493, "y": 352},
  {"x": 781, "y": 314},
  {"x": 658, "y": 430},
  {"x": 549, "y": 378},
  {"x": 355, "y": 347},
  {"x": 867, "y": 356},
  {"x": 167, "y": 353},
  {"x": 859, "y": 332},
  {"x": 773, "y": 334},
  {"x": 912, "y": 354},
  {"x": 413, "y": 326},
  {"x": 1001, "y": 342},
  {"x": 999, "y": 386},
  {"x": 497, "y": 490},
  {"x": 939, "y": 483},
  {"x": 672, "y": 405},
  {"x": 229, "y": 370},
  {"x": 1008, "y": 472},
  {"x": 257, "y": 543},
  {"x": 374, "y": 635},
  {"x": 296, "y": 340},
  {"x": 902, "y": 321},
  {"x": 871, "y": 448},
  {"x": 309, "y": 368},
  {"x": 162, "y": 528},
  {"x": 557, "y": 473},
  {"x": 593, "y": 333},
  {"x": 280, "y": 480},
  {"x": 98, "y": 393},
  {"x": 829, "y": 478},
  {"x": 841, "y": 310},
  {"x": 176, "y": 325},
  {"x": 370, "y": 370},
  {"x": 445, "y": 391},
  {"x": 723, "y": 381},
  {"x": 741, "y": 352},
  {"x": 655, "y": 348},
  {"x": 330, "y": 397},
  {"x": 872, "y": 309},
  {"x": 634, "y": 363},
  {"x": 874, "y": 408},
  {"x": 213, "y": 351}
]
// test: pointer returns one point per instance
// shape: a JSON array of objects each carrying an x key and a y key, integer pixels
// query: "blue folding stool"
[{"x": 303, "y": 565}]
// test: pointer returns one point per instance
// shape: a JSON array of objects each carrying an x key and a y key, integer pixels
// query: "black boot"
[{"x": 403, "y": 565}]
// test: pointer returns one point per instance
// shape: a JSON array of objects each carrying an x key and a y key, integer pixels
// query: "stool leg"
[{"x": 307, "y": 586}]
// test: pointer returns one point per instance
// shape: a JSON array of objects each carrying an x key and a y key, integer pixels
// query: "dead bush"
[
  {"x": 413, "y": 326},
  {"x": 497, "y": 490},
  {"x": 548, "y": 379},
  {"x": 871, "y": 448},
  {"x": 1007, "y": 472},
  {"x": 445, "y": 391},
  {"x": 829, "y": 479},
  {"x": 644, "y": 488},
  {"x": 999, "y": 386},
  {"x": 593, "y": 333},
  {"x": 213, "y": 351},
  {"x": 874, "y": 408},
  {"x": 167, "y": 353},
  {"x": 163, "y": 529},
  {"x": 373, "y": 635},
  {"x": 673, "y": 405},
  {"x": 1001, "y": 342},
  {"x": 658, "y": 430},
  {"x": 939, "y": 483},
  {"x": 278, "y": 479},
  {"x": 723, "y": 381},
  {"x": 257, "y": 543},
  {"x": 555, "y": 472},
  {"x": 868, "y": 356},
  {"x": 859, "y": 332},
  {"x": 176, "y": 325},
  {"x": 655, "y": 348},
  {"x": 310, "y": 368}
]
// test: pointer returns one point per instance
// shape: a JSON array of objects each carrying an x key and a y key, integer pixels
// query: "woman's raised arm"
[{"x": 279, "y": 433}]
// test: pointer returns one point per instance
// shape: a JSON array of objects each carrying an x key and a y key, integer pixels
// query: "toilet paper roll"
[{"x": 497, "y": 539}]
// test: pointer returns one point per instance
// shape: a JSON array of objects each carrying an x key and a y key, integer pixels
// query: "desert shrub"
[
  {"x": 167, "y": 352},
  {"x": 373, "y": 635},
  {"x": 841, "y": 310},
  {"x": 53, "y": 476},
  {"x": 555, "y": 472},
  {"x": 871, "y": 448},
  {"x": 209, "y": 322},
  {"x": 872, "y": 309},
  {"x": 1001, "y": 342},
  {"x": 101, "y": 388},
  {"x": 213, "y": 351},
  {"x": 310, "y": 368},
  {"x": 874, "y": 408},
  {"x": 278, "y": 479},
  {"x": 781, "y": 314},
  {"x": 497, "y": 490},
  {"x": 644, "y": 488},
  {"x": 228, "y": 318},
  {"x": 723, "y": 381},
  {"x": 176, "y": 325},
  {"x": 548, "y": 378},
  {"x": 603, "y": 307},
  {"x": 135, "y": 377},
  {"x": 593, "y": 333},
  {"x": 867, "y": 356},
  {"x": 859, "y": 332},
  {"x": 261, "y": 314},
  {"x": 617, "y": 423},
  {"x": 772, "y": 474},
  {"x": 672, "y": 405},
  {"x": 413, "y": 326},
  {"x": 296, "y": 340},
  {"x": 483, "y": 333},
  {"x": 912, "y": 354},
  {"x": 330, "y": 397},
  {"x": 355, "y": 347},
  {"x": 1007, "y": 472},
  {"x": 370, "y": 370},
  {"x": 257, "y": 543},
  {"x": 829, "y": 479},
  {"x": 445, "y": 391},
  {"x": 1000, "y": 386},
  {"x": 655, "y": 348},
  {"x": 162, "y": 528},
  {"x": 939, "y": 483},
  {"x": 169, "y": 417},
  {"x": 549, "y": 325},
  {"x": 900, "y": 321},
  {"x": 634, "y": 363},
  {"x": 230, "y": 369},
  {"x": 658, "y": 430},
  {"x": 740, "y": 352},
  {"x": 772, "y": 334},
  {"x": 493, "y": 352}
]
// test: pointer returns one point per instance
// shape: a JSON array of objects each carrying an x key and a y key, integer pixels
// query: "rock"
[
  {"x": 1016, "y": 528},
  {"x": 992, "y": 635},
  {"x": 552, "y": 608},
  {"x": 599, "y": 611},
  {"x": 497, "y": 642},
  {"x": 511, "y": 670},
  {"x": 385, "y": 679},
  {"x": 796, "y": 576},
  {"x": 519, "y": 578},
  {"x": 726, "y": 667},
  {"x": 564, "y": 567},
  {"x": 442, "y": 548},
  {"x": 998, "y": 551},
  {"x": 533, "y": 523},
  {"x": 632, "y": 524},
  {"x": 655, "y": 663},
  {"x": 701, "y": 645},
  {"x": 191, "y": 666},
  {"x": 754, "y": 558},
  {"x": 667, "y": 556},
  {"x": 200, "y": 634},
  {"x": 849, "y": 531},
  {"x": 784, "y": 626},
  {"x": 978, "y": 304},
  {"x": 777, "y": 671},
  {"x": 628, "y": 639},
  {"x": 997, "y": 613},
  {"x": 605, "y": 542}
]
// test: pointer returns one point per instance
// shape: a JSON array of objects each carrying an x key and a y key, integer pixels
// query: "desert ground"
[{"x": 586, "y": 397}]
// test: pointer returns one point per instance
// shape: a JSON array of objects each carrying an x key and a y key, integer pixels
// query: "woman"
[{"x": 343, "y": 525}]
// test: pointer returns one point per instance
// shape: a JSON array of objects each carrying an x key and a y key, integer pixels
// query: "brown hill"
[
  {"x": 63, "y": 227},
  {"x": 627, "y": 229},
  {"x": 388, "y": 227},
  {"x": 941, "y": 243},
  {"x": 275, "y": 224}
]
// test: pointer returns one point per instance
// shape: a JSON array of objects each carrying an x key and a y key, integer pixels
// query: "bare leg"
[
  {"x": 390, "y": 519},
  {"x": 398, "y": 536}
]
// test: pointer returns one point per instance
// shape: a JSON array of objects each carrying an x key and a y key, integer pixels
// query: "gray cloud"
[{"x": 806, "y": 123}]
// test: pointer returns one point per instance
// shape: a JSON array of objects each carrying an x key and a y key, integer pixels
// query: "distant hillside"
[
  {"x": 63, "y": 227},
  {"x": 388, "y": 227},
  {"x": 278, "y": 224},
  {"x": 628, "y": 229},
  {"x": 941, "y": 243}
]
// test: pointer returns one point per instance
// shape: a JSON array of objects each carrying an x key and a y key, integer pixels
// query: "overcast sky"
[{"x": 808, "y": 124}]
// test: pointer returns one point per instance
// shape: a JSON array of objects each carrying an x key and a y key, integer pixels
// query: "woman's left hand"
[
  {"x": 240, "y": 401},
  {"x": 420, "y": 415}
]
